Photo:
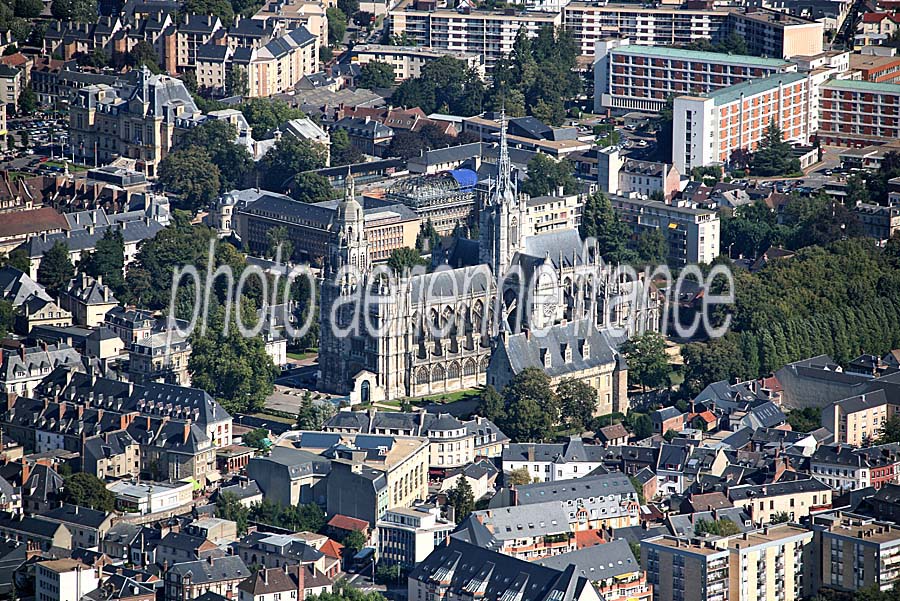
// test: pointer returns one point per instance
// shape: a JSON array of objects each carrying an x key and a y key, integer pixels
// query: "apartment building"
[
  {"x": 765, "y": 565},
  {"x": 858, "y": 419},
  {"x": 878, "y": 69},
  {"x": 310, "y": 14},
  {"x": 855, "y": 552},
  {"x": 611, "y": 567},
  {"x": 708, "y": 128},
  {"x": 487, "y": 33},
  {"x": 796, "y": 498},
  {"x": 878, "y": 221},
  {"x": 633, "y": 77},
  {"x": 858, "y": 113},
  {"x": 547, "y": 462},
  {"x": 766, "y": 32},
  {"x": 692, "y": 235},
  {"x": 193, "y": 32},
  {"x": 64, "y": 580},
  {"x": 407, "y": 535},
  {"x": 408, "y": 61},
  {"x": 135, "y": 118},
  {"x": 452, "y": 442}
]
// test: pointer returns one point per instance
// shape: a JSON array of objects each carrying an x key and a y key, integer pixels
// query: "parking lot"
[{"x": 35, "y": 146}]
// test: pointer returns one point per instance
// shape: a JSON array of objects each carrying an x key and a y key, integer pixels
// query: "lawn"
[
  {"x": 274, "y": 418},
  {"x": 61, "y": 165},
  {"x": 448, "y": 397},
  {"x": 301, "y": 356}
]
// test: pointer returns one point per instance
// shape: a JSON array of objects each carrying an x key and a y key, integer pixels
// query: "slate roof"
[
  {"x": 214, "y": 569},
  {"x": 525, "y": 350},
  {"x": 74, "y": 514},
  {"x": 16, "y": 286},
  {"x": 740, "y": 493},
  {"x": 118, "y": 586},
  {"x": 863, "y": 401},
  {"x": 36, "y": 359},
  {"x": 684, "y": 524},
  {"x": 466, "y": 568},
  {"x": 666, "y": 413},
  {"x": 242, "y": 492},
  {"x": 450, "y": 283},
  {"x": 35, "y": 526},
  {"x": 89, "y": 291},
  {"x": 573, "y": 450},
  {"x": 84, "y": 239},
  {"x": 597, "y": 562},
  {"x": 43, "y": 483},
  {"x": 579, "y": 488}
]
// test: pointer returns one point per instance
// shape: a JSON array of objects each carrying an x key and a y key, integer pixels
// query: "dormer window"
[
  {"x": 545, "y": 357},
  {"x": 585, "y": 349},
  {"x": 565, "y": 350}
]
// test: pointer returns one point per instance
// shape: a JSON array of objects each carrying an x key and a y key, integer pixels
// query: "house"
[
  {"x": 294, "y": 582},
  {"x": 342, "y": 525},
  {"x": 796, "y": 498},
  {"x": 40, "y": 489},
  {"x": 275, "y": 550},
  {"x": 670, "y": 470},
  {"x": 247, "y": 492},
  {"x": 614, "y": 435},
  {"x": 289, "y": 476},
  {"x": 453, "y": 566},
  {"x": 42, "y": 534},
  {"x": 574, "y": 350},
  {"x": 221, "y": 575},
  {"x": 858, "y": 419},
  {"x": 217, "y": 530},
  {"x": 12, "y": 80},
  {"x": 667, "y": 418},
  {"x": 88, "y": 526},
  {"x": 152, "y": 497},
  {"x": 552, "y": 462},
  {"x": 22, "y": 369},
  {"x": 32, "y": 306},
  {"x": 88, "y": 300},
  {"x": 367, "y": 135},
  {"x": 179, "y": 547}
]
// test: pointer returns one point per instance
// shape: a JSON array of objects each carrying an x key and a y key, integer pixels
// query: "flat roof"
[
  {"x": 880, "y": 533},
  {"x": 863, "y": 86},
  {"x": 686, "y": 545},
  {"x": 753, "y": 87},
  {"x": 763, "y": 537},
  {"x": 700, "y": 55}
]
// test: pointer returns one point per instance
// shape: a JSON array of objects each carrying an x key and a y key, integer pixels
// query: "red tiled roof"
[
  {"x": 879, "y": 17},
  {"x": 35, "y": 221},
  {"x": 707, "y": 416},
  {"x": 588, "y": 538},
  {"x": 345, "y": 522},
  {"x": 14, "y": 60},
  {"x": 332, "y": 548}
]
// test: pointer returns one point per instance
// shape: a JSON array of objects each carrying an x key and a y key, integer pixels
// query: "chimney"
[
  {"x": 11, "y": 400},
  {"x": 209, "y": 560},
  {"x": 531, "y": 453},
  {"x": 26, "y": 471},
  {"x": 187, "y": 431},
  {"x": 513, "y": 496}
]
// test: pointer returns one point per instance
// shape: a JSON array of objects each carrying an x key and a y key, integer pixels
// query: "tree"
[
  {"x": 265, "y": 114},
  {"x": 312, "y": 416},
  {"x": 447, "y": 85},
  {"x": 462, "y": 499},
  {"x": 806, "y": 419},
  {"x": 290, "y": 156},
  {"x": 636, "y": 551},
  {"x": 255, "y": 438},
  {"x": 781, "y": 517},
  {"x": 28, "y": 101},
  {"x": 342, "y": 151},
  {"x": 518, "y": 477},
  {"x": 664, "y": 124},
  {"x": 387, "y": 574},
  {"x": 348, "y": 7},
  {"x": 337, "y": 25},
  {"x": 648, "y": 363},
  {"x": 403, "y": 259},
  {"x": 546, "y": 176},
  {"x": 17, "y": 258},
  {"x": 217, "y": 8},
  {"x": 191, "y": 174},
  {"x": 87, "y": 490},
  {"x": 490, "y": 403},
  {"x": 189, "y": 79},
  {"x": 56, "y": 269},
  {"x": 354, "y": 541},
  {"x": 228, "y": 507},
  {"x": 890, "y": 431},
  {"x": 376, "y": 74},
  {"x": 219, "y": 139},
  {"x": 311, "y": 187},
  {"x": 722, "y": 527},
  {"x": 237, "y": 83},
  {"x": 577, "y": 402},
  {"x": 29, "y": 9},
  {"x": 7, "y": 317},
  {"x": 107, "y": 260},
  {"x": 531, "y": 406},
  {"x": 234, "y": 369},
  {"x": 406, "y": 144},
  {"x": 144, "y": 54},
  {"x": 600, "y": 221},
  {"x": 652, "y": 248},
  {"x": 773, "y": 155},
  {"x": 82, "y": 11},
  {"x": 279, "y": 243},
  {"x": 640, "y": 425}
]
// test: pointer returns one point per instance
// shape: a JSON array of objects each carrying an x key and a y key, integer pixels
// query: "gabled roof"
[
  {"x": 212, "y": 569},
  {"x": 597, "y": 562},
  {"x": 74, "y": 514}
]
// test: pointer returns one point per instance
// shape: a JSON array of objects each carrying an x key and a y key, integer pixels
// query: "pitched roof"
[
  {"x": 597, "y": 562},
  {"x": 345, "y": 522},
  {"x": 212, "y": 569},
  {"x": 34, "y": 221},
  {"x": 585, "y": 345}
]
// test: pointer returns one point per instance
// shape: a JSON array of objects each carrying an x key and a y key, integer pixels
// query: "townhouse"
[
  {"x": 548, "y": 462},
  {"x": 632, "y": 77},
  {"x": 220, "y": 575},
  {"x": 22, "y": 369},
  {"x": 796, "y": 498},
  {"x": 709, "y": 128}
]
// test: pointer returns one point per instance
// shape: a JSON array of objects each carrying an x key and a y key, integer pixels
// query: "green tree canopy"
[
  {"x": 531, "y": 406},
  {"x": 342, "y": 151},
  {"x": 289, "y": 157},
  {"x": 237, "y": 82},
  {"x": 518, "y": 477},
  {"x": 191, "y": 174},
  {"x": 600, "y": 221},
  {"x": 311, "y": 187},
  {"x": 232, "y": 368},
  {"x": 87, "y": 490},
  {"x": 354, "y": 541},
  {"x": 228, "y": 507},
  {"x": 254, "y": 438},
  {"x": 337, "y": 25},
  {"x": 445, "y": 85},
  {"x": 17, "y": 258},
  {"x": 404, "y": 258},
  {"x": 265, "y": 114},
  {"x": 773, "y": 156},
  {"x": 218, "y": 139},
  {"x": 107, "y": 260},
  {"x": 83, "y": 11},
  {"x": 143, "y": 54},
  {"x": 723, "y": 527},
  {"x": 376, "y": 74},
  {"x": 648, "y": 364},
  {"x": 216, "y": 8},
  {"x": 462, "y": 499},
  {"x": 546, "y": 176},
  {"x": 7, "y": 318},
  {"x": 577, "y": 402},
  {"x": 56, "y": 269},
  {"x": 27, "y": 102}
]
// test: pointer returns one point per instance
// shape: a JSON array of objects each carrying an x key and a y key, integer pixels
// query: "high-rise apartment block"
[{"x": 858, "y": 113}]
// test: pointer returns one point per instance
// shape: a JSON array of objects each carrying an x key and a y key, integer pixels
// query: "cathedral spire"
[
  {"x": 349, "y": 186},
  {"x": 504, "y": 168}
]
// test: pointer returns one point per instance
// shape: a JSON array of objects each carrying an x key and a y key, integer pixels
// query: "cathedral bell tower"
[{"x": 502, "y": 217}]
